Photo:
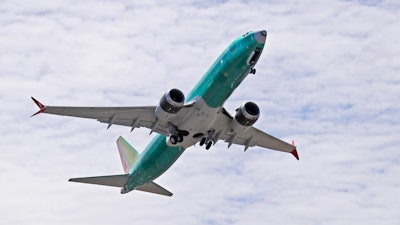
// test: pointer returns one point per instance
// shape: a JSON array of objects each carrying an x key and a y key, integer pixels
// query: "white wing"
[
  {"x": 249, "y": 137},
  {"x": 134, "y": 117}
]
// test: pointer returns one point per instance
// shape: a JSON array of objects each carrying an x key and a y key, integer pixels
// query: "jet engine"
[
  {"x": 170, "y": 104},
  {"x": 246, "y": 115}
]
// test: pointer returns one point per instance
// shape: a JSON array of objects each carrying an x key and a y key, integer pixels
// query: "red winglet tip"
[
  {"x": 40, "y": 105},
  {"x": 294, "y": 153}
]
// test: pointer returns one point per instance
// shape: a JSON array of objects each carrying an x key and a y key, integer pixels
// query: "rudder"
[{"x": 127, "y": 153}]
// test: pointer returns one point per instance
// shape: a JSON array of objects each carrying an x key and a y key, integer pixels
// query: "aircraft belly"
[
  {"x": 154, "y": 161},
  {"x": 161, "y": 155},
  {"x": 200, "y": 121}
]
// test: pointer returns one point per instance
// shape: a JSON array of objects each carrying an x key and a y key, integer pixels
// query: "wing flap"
[
  {"x": 104, "y": 113},
  {"x": 251, "y": 136},
  {"x": 265, "y": 140},
  {"x": 133, "y": 117},
  {"x": 255, "y": 137}
]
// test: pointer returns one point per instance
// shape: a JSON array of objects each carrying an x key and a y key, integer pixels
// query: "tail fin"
[
  {"x": 129, "y": 156},
  {"x": 127, "y": 153}
]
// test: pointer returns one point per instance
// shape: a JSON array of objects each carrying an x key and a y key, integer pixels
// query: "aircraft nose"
[{"x": 261, "y": 36}]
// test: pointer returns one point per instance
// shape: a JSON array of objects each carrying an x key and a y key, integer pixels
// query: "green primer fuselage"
[{"x": 214, "y": 88}]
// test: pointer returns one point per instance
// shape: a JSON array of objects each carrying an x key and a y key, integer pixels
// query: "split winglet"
[
  {"x": 40, "y": 105},
  {"x": 294, "y": 152}
]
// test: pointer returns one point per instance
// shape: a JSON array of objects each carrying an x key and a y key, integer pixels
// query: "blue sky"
[{"x": 328, "y": 78}]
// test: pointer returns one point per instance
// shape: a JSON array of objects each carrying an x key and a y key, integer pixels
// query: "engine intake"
[
  {"x": 247, "y": 114},
  {"x": 172, "y": 101},
  {"x": 170, "y": 104}
]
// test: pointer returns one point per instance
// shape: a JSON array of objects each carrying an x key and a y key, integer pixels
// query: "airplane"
[{"x": 182, "y": 122}]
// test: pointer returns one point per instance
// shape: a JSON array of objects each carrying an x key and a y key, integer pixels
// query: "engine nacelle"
[
  {"x": 246, "y": 115},
  {"x": 170, "y": 104}
]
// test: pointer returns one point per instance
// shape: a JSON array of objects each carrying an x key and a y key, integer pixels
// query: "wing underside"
[
  {"x": 133, "y": 117},
  {"x": 144, "y": 116},
  {"x": 249, "y": 136}
]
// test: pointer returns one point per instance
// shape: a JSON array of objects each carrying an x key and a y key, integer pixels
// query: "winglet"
[
  {"x": 40, "y": 105},
  {"x": 294, "y": 152}
]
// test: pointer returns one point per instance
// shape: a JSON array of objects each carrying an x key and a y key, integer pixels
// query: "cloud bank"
[{"x": 328, "y": 78}]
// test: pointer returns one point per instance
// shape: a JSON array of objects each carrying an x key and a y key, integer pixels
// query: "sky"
[{"x": 328, "y": 78}]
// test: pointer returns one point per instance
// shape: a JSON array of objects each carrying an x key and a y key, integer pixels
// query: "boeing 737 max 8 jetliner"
[{"x": 181, "y": 123}]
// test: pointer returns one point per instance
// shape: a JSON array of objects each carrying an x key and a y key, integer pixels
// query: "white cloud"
[{"x": 328, "y": 78}]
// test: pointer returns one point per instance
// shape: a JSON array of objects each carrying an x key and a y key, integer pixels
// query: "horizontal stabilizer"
[
  {"x": 153, "y": 188},
  {"x": 113, "y": 180},
  {"x": 120, "y": 181}
]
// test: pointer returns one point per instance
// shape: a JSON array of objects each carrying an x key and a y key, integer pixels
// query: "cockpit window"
[{"x": 244, "y": 35}]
